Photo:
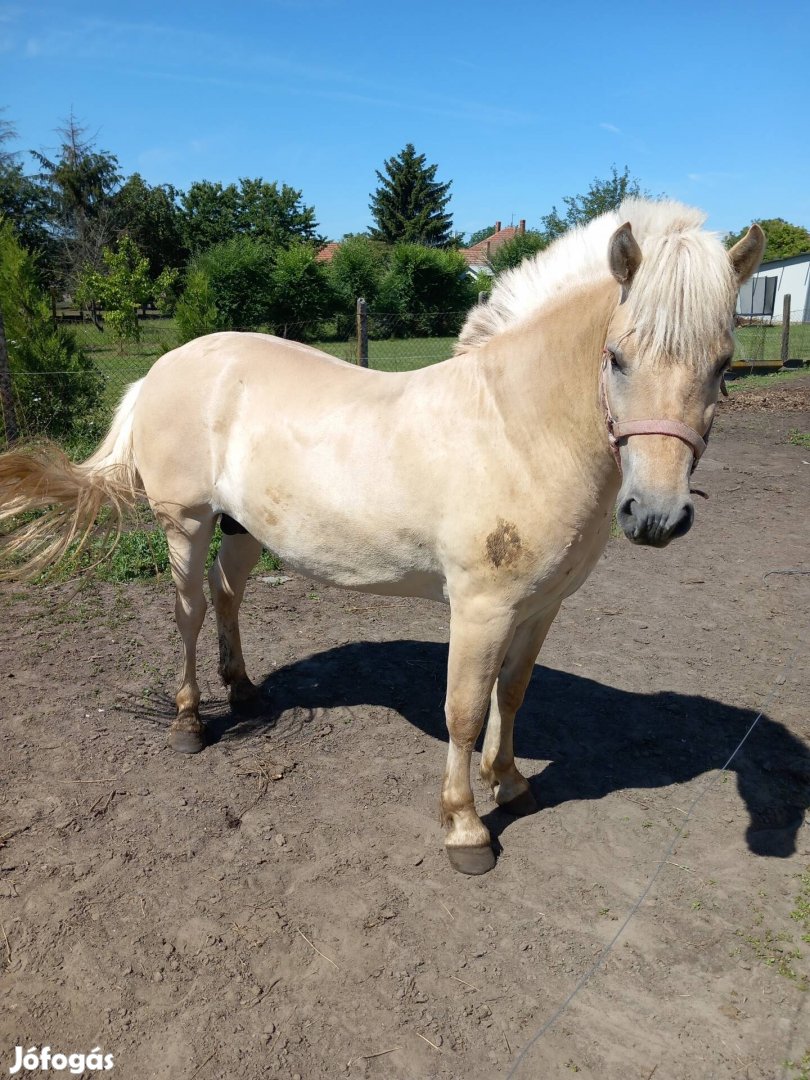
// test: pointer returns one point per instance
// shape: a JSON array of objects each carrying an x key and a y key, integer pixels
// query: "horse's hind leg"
[
  {"x": 188, "y": 540},
  {"x": 510, "y": 787},
  {"x": 227, "y": 577}
]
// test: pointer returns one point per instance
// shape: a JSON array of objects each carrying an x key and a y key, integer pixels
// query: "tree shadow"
[{"x": 595, "y": 738}]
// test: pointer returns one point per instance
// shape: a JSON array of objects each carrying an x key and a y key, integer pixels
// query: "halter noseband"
[{"x": 621, "y": 429}]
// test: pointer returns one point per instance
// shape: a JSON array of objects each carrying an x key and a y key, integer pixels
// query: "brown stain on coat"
[{"x": 504, "y": 545}]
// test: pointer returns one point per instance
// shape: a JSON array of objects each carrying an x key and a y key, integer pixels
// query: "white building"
[{"x": 763, "y": 296}]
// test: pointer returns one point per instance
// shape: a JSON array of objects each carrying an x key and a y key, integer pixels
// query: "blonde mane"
[{"x": 682, "y": 293}]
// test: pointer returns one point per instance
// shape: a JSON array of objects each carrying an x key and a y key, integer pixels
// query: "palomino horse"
[{"x": 486, "y": 481}]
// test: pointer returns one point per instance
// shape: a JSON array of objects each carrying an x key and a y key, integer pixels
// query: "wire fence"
[
  {"x": 760, "y": 341},
  {"x": 75, "y": 400},
  {"x": 60, "y": 399}
]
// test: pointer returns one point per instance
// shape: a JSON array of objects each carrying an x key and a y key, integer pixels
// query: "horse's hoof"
[
  {"x": 521, "y": 805},
  {"x": 185, "y": 741},
  {"x": 471, "y": 860}
]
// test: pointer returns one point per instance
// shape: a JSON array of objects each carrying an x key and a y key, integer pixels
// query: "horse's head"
[{"x": 668, "y": 344}]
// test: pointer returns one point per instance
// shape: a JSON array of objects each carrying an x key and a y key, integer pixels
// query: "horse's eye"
[{"x": 616, "y": 360}]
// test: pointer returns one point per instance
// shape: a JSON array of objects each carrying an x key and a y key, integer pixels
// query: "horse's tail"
[{"x": 42, "y": 477}]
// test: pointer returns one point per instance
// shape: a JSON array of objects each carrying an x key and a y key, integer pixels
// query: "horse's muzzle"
[{"x": 646, "y": 521}]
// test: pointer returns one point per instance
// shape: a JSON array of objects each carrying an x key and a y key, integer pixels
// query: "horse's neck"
[{"x": 545, "y": 373}]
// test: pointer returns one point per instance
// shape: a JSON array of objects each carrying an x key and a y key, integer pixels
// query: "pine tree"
[{"x": 409, "y": 204}]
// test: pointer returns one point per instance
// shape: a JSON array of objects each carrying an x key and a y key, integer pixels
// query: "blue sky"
[{"x": 518, "y": 103}]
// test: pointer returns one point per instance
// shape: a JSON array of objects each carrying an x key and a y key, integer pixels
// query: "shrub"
[
  {"x": 56, "y": 386},
  {"x": 301, "y": 294},
  {"x": 520, "y": 247},
  {"x": 228, "y": 287},
  {"x": 356, "y": 270},
  {"x": 429, "y": 288}
]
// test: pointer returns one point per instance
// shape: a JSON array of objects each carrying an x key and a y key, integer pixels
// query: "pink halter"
[{"x": 621, "y": 429}]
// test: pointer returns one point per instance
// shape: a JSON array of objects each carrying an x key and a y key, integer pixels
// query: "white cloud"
[{"x": 611, "y": 127}]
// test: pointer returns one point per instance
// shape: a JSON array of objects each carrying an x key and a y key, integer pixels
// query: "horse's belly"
[{"x": 352, "y": 558}]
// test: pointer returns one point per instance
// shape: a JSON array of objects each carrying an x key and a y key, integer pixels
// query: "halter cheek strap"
[{"x": 621, "y": 429}]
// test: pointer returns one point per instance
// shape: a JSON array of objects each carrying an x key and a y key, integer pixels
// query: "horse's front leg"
[
  {"x": 509, "y": 786},
  {"x": 478, "y": 642}
]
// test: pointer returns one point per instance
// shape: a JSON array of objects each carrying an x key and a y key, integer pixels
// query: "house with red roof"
[{"x": 479, "y": 255}]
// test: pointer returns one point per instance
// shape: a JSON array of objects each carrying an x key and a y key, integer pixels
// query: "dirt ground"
[{"x": 281, "y": 905}]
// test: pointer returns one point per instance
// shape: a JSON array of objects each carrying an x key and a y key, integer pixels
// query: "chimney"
[
  {"x": 522, "y": 227},
  {"x": 497, "y": 226}
]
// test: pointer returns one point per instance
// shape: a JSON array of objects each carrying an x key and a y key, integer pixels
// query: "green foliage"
[
  {"x": 245, "y": 284},
  {"x": 228, "y": 288},
  {"x": 24, "y": 204},
  {"x": 428, "y": 288},
  {"x": 55, "y": 383},
  {"x": 165, "y": 290},
  {"x": 196, "y": 311},
  {"x": 78, "y": 185},
  {"x": 520, "y": 247},
  {"x": 275, "y": 214},
  {"x": 151, "y": 218},
  {"x": 409, "y": 203},
  {"x": 120, "y": 289},
  {"x": 601, "y": 196},
  {"x": 357, "y": 269},
  {"x": 783, "y": 239},
  {"x": 301, "y": 294},
  {"x": 799, "y": 438},
  {"x": 213, "y": 214}
]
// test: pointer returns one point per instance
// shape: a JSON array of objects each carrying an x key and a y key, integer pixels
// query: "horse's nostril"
[
  {"x": 684, "y": 522},
  {"x": 626, "y": 508}
]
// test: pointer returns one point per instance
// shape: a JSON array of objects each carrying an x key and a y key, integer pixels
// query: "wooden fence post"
[
  {"x": 9, "y": 414},
  {"x": 362, "y": 332},
  {"x": 784, "y": 355}
]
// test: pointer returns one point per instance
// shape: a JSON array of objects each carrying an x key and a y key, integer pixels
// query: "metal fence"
[
  {"x": 61, "y": 401},
  {"x": 44, "y": 397},
  {"x": 773, "y": 341}
]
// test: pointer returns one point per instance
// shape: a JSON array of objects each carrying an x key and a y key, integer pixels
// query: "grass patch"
[
  {"x": 801, "y": 1069},
  {"x": 798, "y": 438},
  {"x": 765, "y": 342},
  {"x": 778, "y": 950},
  {"x": 764, "y": 382},
  {"x": 141, "y": 553}
]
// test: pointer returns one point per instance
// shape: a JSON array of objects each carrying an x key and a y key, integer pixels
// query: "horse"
[{"x": 486, "y": 482}]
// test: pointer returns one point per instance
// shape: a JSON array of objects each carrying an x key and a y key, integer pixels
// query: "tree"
[
  {"x": 150, "y": 217},
  {"x": 409, "y": 203},
  {"x": 601, "y": 196},
  {"x": 783, "y": 239},
  {"x": 209, "y": 215},
  {"x": 79, "y": 185},
  {"x": 55, "y": 383},
  {"x": 25, "y": 204},
  {"x": 120, "y": 289},
  {"x": 520, "y": 247},
  {"x": 212, "y": 214},
  {"x": 275, "y": 214}
]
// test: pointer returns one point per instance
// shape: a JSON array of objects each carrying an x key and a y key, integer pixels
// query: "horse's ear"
[
  {"x": 746, "y": 254},
  {"x": 624, "y": 256}
]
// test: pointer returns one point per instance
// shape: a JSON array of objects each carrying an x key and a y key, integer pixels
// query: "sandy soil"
[{"x": 281, "y": 906}]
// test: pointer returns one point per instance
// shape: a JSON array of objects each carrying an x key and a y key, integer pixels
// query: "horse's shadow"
[{"x": 596, "y": 738}]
